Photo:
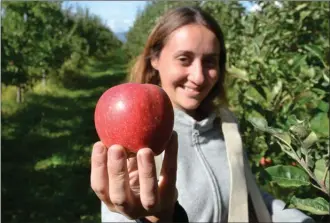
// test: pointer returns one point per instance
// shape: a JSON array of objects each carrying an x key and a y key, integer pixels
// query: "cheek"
[
  {"x": 172, "y": 76},
  {"x": 213, "y": 78}
]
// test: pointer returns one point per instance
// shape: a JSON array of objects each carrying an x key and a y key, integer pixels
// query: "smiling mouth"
[{"x": 194, "y": 91}]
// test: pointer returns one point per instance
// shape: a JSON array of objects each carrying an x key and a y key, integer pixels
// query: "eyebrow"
[{"x": 192, "y": 53}]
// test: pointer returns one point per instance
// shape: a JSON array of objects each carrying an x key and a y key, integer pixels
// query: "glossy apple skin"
[{"x": 135, "y": 116}]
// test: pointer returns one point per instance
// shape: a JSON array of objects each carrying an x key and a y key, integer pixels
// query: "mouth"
[{"x": 192, "y": 91}]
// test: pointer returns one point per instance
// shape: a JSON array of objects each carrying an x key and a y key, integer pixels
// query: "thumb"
[{"x": 167, "y": 179}]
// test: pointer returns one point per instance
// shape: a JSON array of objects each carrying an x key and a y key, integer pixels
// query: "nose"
[{"x": 196, "y": 74}]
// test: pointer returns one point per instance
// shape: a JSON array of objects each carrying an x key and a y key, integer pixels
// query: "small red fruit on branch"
[
  {"x": 265, "y": 161},
  {"x": 268, "y": 161}
]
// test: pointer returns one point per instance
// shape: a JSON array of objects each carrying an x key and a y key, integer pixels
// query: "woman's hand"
[{"x": 129, "y": 185}]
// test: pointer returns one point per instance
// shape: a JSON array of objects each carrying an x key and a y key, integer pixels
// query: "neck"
[{"x": 196, "y": 114}]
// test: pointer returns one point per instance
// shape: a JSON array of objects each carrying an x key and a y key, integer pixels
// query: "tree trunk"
[{"x": 19, "y": 94}]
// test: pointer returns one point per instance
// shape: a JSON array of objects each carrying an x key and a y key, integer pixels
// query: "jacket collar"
[{"x": 183, "y": 120}]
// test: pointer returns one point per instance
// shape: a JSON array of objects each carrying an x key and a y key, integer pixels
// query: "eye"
[
  {"x": 184, "y": 60},
  {"x": 210, "y": 62}
]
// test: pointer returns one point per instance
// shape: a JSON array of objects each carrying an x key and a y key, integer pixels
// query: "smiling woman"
[{"x": 205, "y": 175}]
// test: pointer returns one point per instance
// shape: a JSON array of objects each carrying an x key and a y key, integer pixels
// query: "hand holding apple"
[
  {"x": 129, "y": 186},
  {"x": 135, "y": 116}
]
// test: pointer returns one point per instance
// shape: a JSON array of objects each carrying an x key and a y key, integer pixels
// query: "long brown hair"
[{"x": 142, "y": 70}]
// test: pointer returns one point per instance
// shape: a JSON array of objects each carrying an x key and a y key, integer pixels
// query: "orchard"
[{"x": 57, "y": 62}]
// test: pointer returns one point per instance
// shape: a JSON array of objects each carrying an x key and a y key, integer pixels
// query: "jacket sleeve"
[{"x": 279, "y": 213}]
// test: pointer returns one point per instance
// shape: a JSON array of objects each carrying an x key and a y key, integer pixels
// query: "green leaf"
[
  {"x": 288, "y": 176},
  {"x": 53, "y": 161},
  {"x": 319, "y": 171},
  {"x": 301, "y": 6},
  {"x": 304, "y": 99},
  {"x": 277, "y": 88},
  {"x": 283, "y": 137},
  {"x": 323, "y": 106},
  {"x": 259, "y": 123},
  {"x": 294, "y": 120},
  {"x": 256, "y": 93},
  {"x": 239, "y": 73},
  {"x": 315, "y": 50},
  {"x": 261, "y": 91},
  {"x": 326, "y": 78},
  {"x": 318, "y": 91},
  {"x": 310, "y": 140},
  {"x": 320, "y": 124},
  {"x": 299, "y": 130},
  {"x": 256, "y": 47},
  {"x": 317, "y": 206},
  {"x": 304, "y": 14},
  {"x": 287, "y": 150},
  {"x": 310, "y": 72},
  {"x": 290, "y": 21},
  {"x": 298, "y": 61}
]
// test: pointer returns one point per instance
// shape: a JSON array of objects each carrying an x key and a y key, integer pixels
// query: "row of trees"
[
  {"x": 278, "y": 81},
  {"x": 44, "y": 39}
]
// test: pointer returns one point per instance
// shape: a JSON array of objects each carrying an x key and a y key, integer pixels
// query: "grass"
[{"x": 46, "y": 147}]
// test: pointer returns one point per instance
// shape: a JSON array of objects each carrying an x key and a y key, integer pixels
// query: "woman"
[{"x": 185, "y": 55}]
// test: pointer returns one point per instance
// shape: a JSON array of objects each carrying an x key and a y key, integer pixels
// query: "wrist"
[
  {"x": 176, "y": 214},
  {"x": 164, "y": 216}
]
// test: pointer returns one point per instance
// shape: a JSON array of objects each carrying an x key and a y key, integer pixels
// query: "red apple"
[
  {"x": 135, "y": 116},
  {"x": 268, "y": 161},
  {"x": 265, "y": 161},
  {"x": 262, "y": 161}
]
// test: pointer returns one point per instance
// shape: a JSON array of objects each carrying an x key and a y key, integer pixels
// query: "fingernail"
[{"x": 116, "y": 153}]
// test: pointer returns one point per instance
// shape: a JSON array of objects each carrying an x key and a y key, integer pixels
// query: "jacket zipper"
[{"x": 210, "y": 174}]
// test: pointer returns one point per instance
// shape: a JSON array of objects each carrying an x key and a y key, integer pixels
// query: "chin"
[{"x": 190, "y": 106}]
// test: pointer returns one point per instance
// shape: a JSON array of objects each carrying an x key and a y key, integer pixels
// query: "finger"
[
  {"x": 130, "y": 154},
  {"x": 118, "y": 178},
  {"x": 99, "y": 173},
  {"x": 169, "y": 166},
  {"x": 132, "y": 164},
  {"x": 148, "y": 179},
  {"x": 133, "y": 175}
]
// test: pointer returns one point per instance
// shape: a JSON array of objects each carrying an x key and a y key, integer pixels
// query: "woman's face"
[{"x": 188, "y": 66}]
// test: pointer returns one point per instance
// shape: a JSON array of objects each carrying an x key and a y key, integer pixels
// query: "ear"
[{"x": 154, "y": 62}]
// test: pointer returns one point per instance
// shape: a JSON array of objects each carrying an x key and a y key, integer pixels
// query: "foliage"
[
  {"x": 42, "y": 39},
  {"x": 98, "y": 37},
  {"x": 28, "y": 47},
  {"x": 277, "y": 85}
]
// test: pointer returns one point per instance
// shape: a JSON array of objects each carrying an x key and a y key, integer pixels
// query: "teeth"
[{"x": 189, "y": 89}]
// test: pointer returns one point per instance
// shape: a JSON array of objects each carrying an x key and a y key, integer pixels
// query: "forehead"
[{"x": 193, "y": 37}]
